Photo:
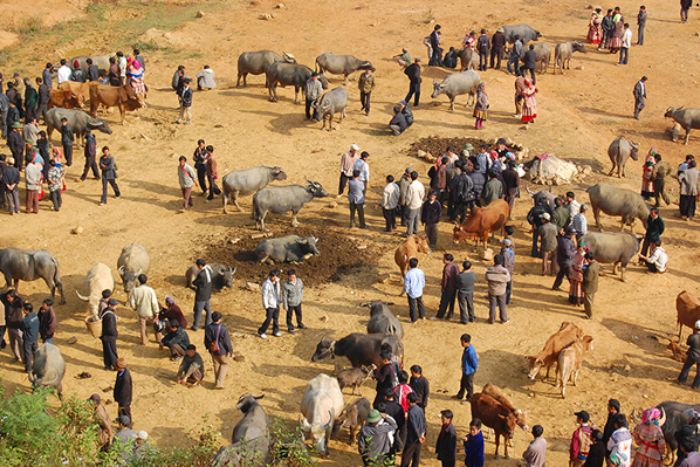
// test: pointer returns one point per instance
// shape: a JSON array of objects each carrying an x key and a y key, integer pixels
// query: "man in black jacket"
[
  {"x": 415, "y": 436},
  {"x": 693, "y": 358},
  {"x": 15, "y": 141},
  {"x": 498, "y": 41},
  {"x": 67, "y": 141},
  {"x": 413, "y": 72},
  {"x": 109, "y": 335},
  {"x": 393, "y": 409},
  {"x": 13, "y": 320},
  {"x": 531, "y": 62},
  {"x": 420, "y": 386},
  {"x": 436, "y": 58},
  {"x": 465, "y": 293},
  {"x": 218, "y": 342},
  {"x": 90, "y": 156},
  {"x": 176, "y": 340},
  {"x": 185, "y": 102},
  {"x": 482, "y": 45},
  {"x": 203, "y": 294},
  {"x": 534, "y": 218},
  {"x": 565, "y": 255},
  {"x": 123, "y": 389}
]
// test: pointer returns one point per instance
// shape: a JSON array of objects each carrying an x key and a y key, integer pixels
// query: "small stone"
[
  {"x": 324, "y": 318},
  {"x": 200, "y": 14},
  {"x": 233, "y": 241},
  {"x": 421, "y": 154},
  {"x": 579, "y": 67},
  {"x": 530, "y": 394},
  {"x": 333, "y": 204},
  {"x": 239, "y": 358},
  {"x": 361, "y": 247},
  {"x": 266, "y": 16},
  {"x": 627, "y": 368},
  {"x": 254, "y": 3},
  {"x": 77, "y": 230},
  {"x": 280, "y": 6},
  {"x": 252, "y": 286},
  {"x": 72, "y": 340}
]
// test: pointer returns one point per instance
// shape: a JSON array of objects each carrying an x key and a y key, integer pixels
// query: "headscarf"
[{"x": 651, "y": 416}]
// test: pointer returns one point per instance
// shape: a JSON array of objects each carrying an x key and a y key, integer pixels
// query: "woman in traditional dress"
[
  {"x": 576, "y": 277},
  {"x": 135, "y": 71},
  {"x": 529, "y": 103},
  {"x": 482, "y": 107},
  {"x": 594, "y": 27},
  {"x": 650, "y": 439},
  {"x": 616, "y": 41},
  {"x": 648, "y": 174}
]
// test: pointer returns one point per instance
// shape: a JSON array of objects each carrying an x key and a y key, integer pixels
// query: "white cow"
[
  {"x": 321, "y": 404},
  {"x": 98, "y": 278}
]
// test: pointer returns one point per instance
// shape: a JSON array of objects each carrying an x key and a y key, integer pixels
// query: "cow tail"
[{"x": 56, "y": 274}]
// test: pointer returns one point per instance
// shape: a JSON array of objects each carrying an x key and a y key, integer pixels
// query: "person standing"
[
  {"x": 498, "y": 41},
  {"x": 202, "y": 297},
  {"x": 625, "y": 45},
  {"x": 591, "y": 271},
  {"x": 347, "y": 164},
  {"x": 109, "y": 335},
  {"x": 649, "y": 436},
  {"x": 692, "y": 358},
  {"x": 430, "y": 216},
  {"x": 413, "y": 72},
  {"x": 314, "y": 89},
  {"x": 465, "y": 293},
  {"x": 43, "y": 98},
  {"x": 640, "y": 96},
  {"x": 511, "y": 183},
  {"x": 385, "y": 375},
  {"x": 30, "y": 336},
  {"x": 620, "y": 443},
  {"x": 143, "y": 300},
  {"x": 685, "y": 6},
  {"x": 293, "y": 295},
  {"x": 536, "y": 452},
  {"x": 641, "y": 24},
  {"x": 413, "y": 285},
  {"x": 446, "y": 445},
  {"x": 200, "y": 164},
  {"x": 655, "y": 228},
  {"x": 67, "y": 139},
  {"x": 390, "y": 203},
  {"x": 55, "y": 184},
  {"x": 436, "y": 56},
  {"x": 90, "y": 153},
  {"x": 375, "y": 440},
  {"x": 15, "y": 141},
  {"x": 271, "y": 304},
  {"x": 689, "y": 190},
  {"x": 497, "y": 277},
  {"x": 362, "y": 166},
  {"x": 420, "y": 386},
  {"x": 13, "y": 316},
  {"x": 608, "y": 26},
  {"x": 356, "y": 198},
  {"x": 185, "y": 102},
  {"x": 470, "y": 363},
  {"x": 580, "y": 223},
  {"x": 366, "y": 85},
  {"x": 218, "y": 342},
  {"x": 481, "y": 108},
  {"x": 186, "y": 178},
  {"x": 108, "y": 166},
  {"x": 565, "y": 255},
  {"x": 414, "y": 202},
  {"x": 474, "y": 445},
  {"x": 531, "y": 62},
  {"x": 33, "y": 179},
  {"x": 448, "y": 287},
  {"x": 576, "y": 276},
  {"x": 482, "y": 45},
  {"x": 529, "y": 102},
  {"x": 580, "y": 440},
  {"x": 516, "y": 54},
  {"x": 212, "y": 173},
  {"x": 404, "y": 183},
  {"x": 535, "y": 217},
  {"x": 415, "y": 436},
  {"x": 123, "y": 389},
  {"x": 93, "y": 72},
  {"x": 509, "y": 263},
  {"x": 594, "y": 27},
  {"x": 47, "y": 321},
  {"x": 661, "y": 170}
]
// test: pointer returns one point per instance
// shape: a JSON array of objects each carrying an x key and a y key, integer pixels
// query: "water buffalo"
[
  {"x": 674, "y": 415},
  {"x": 281, "y": 199},
  {"x": 291, "y": 248},
  {"x": 124, "y": 98},
  {"x": 133, "y": 260},
  {"x": 688, "y": 119},
  {"x": 98, "y": 278},
  {"x": 255, "y": 63},
  {"x": 616, "y": 248},
  {"x": 360, "y": 349},
  {"x": 543, "y": 55},
  {"x": 618, "y": 151},
  {"x": 250, "y": 439},
  {"x": 79, "y": 122},
  {"x": 49, "y": 368},
  {"x": 525, "y": 32},
  {"x": 468, "y": 59},
  {"x": 101, "y": 61},
  {"x": 247, "y": 181},
  {"x": 321, "y": 404},
  {"x": 383, "y": 321},
  {"x": 289, "y": 74},
  {"x": 340, "y": 64},
  {"x": 221, "y": 275},
  {"x": 617, "y": 201},
  {"x": 563, "y": 52},
  {"x": 331, "y": 103},
  {"x": 352, "y": 417},
  {"x": 29, "y": 265},
  {"x": 458, "y": 84},
  {"x": 482, "y": 223},
  {"x": 542, "y": 197}
]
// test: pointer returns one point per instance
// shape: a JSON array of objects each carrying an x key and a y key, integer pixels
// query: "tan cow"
[
  {"x": 498, "y": 394},
  {"x": 567, "y": 334},
  {"x": 123, "y": 97},
  {"x": 688, "y": 311},
  {"x": 410, "y": 249},
  {"x": 80, "y": 90},
  {"x": 64, "y": 98},
  {"x": 570, "y": 361}
]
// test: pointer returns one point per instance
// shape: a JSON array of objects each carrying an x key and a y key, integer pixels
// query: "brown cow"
[
  {"x": 567, "y": 334},
  {"x": 495, "y": 416},
  {"x": 65, "y": 99},
  {"x": 496, "y": 392},
  {"x": 570, "y": 361},
  {"x": 123, "y": 97},
  {"x": 482, "y": 223},
  {"x": 352, "y": 417},
  {"x": 80, "y": 90},
  {"x": 688, "y": 311},
  {"x": 410, "y": 249}
]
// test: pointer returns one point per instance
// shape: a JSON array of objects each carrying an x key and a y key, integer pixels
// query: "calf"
[
  {"x": 354, "y": 377},
  {"x": 687, "y": 311},
  {"x": 410, "y": 249},
  {"x": 570, "y": 361},
  {"x": 500, "y": 396},
  {"x": 352, "y": 417},
  {"x": 333, "y": 102},
  {"x": 567, "y": 334},
  {"x": 496, "y": 416}
]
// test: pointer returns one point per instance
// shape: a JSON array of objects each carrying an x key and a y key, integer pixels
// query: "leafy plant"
[{"x": 287, "y": 446}]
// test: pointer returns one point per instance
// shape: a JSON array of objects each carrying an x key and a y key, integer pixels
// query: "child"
[
  {"x": 447, "y": 440},
  {"x": 509, "y": 231},
  {"x": 55, "y": 180},
  {"x": 474, "y": 445},
  {"x": 402, "y": 390},
  {"x": 420, "y": 386}
]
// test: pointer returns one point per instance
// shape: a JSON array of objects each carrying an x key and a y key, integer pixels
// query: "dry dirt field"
[{"x": 580, "y": 113}]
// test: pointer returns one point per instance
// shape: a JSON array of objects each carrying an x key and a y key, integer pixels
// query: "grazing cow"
[
  {"x": 525, "y": 32},
  {"x": 482, "y": 223},
  {"x": 333, "y": 102},
  {"x": 496, "y": 416},
  {"x": 360, "y": 349},
  {"x": 321, "y": 404},
  {"x": 410, "y": 249},
  {"x": 687, "y": 311},
  {"x": 133, "y": 260},
  {"x": 498, "y": 394},
  {"x": 354, "y": 377},
  {"x": 570, "y": 361},
  {"x": 674, "y": 415},
  {"x": 457, "y": 84},
  {"x": 289, "y": 74},
  {"x": 248, "y": 181},
  {"x": 563, "y": 53},
  {"x": 688, "y": 119},
  {"x": 340, "y": 64},
  {"x": 567, "y": 334},
  {"x": 255, "y": 63},
  {"x": 383, "y": 321},
  {"x": 250, "y": 439},
  {"x": 617, "y": 248},
  {"x": 221, "y": 276},
  {"x": 49, "y": 368},
  {"x": 65, "y": 99},
  {"x": 281, "y": 199},
  {"x": 123, "y": 97},
  {"x": 98, "y": 278},
  {"x": 619, "y": 151},
  {"x": 468, "y": 59},
  {"x": 616, "y": 201},
  {"x": 78, "y": 122},
  {"x": 352, "y": 417},
  {"x": 29, "y": 265}
]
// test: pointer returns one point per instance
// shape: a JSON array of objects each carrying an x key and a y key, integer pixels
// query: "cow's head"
[
  {"x": 521, "y": 419},
  {"x": 288, "y": 58},
  {"x": 278, "y": 174},
  {"x": 365, "y": 65},
  {"x": 247, "y": 401},
  {"x": 577, "y": 46},
  {"x": 437, "y": 89},
  {"x": 98, "y": 124},
  {"x": 226, "y": 273},
  {"x": 669, "y": 112},
  {"x": 129, "y": 278},
  {"x": 316, "y": 189},
  {"x": 587, "y": 342},
  {"x": 308, "y": 244},
  {"x": 422, "y": 244},
  {"x": 634, "y": 153},
  {"x": 325, "y": 349},
  {"x": 534, "y": 365}
]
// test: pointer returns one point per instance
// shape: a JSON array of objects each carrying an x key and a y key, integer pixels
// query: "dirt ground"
[{"x": 579, "y": 114}]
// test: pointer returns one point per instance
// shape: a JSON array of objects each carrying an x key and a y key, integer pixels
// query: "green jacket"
[
  {"x": 31, "y": 97},
  {"x": 560, "y": 217},
  {"x": 655, "y": 228}
]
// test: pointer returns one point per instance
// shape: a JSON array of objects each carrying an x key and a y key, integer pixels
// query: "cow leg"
[
  {"x": 295, "y": 222},
  {"x": 505, "y": 447},
  {"x": 596, "y": 216},
  {"x": 687, "y": 136},
  {"x": 452, "y": 104},
  {"x": 234, "y": 200},
  {"x": 296, "y": 94},
  {"x": 620, "y": 168},
  {"x": 15, "y": 285},
  {"x": 497, "y": 443},
  {"x": 613, "y": 170},
  {"x": 622, "y": 273},
  {"x": 122, "y": 111}
]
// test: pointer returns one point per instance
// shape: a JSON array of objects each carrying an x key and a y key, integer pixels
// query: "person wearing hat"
[
  {"x": 109, "y": 335},
  {"x": 580, "y": 440},
  {"x": 498, "y": 42},
  {"x": 77, "y": 74},
  {"x": 123, "y": 389},
  {"x": 15, "y": 141},
  {"x": 404, "y": 58},
  {"x": 10, "y": 182},
  {"x": 376, "y": 439},
  {"x": 640, "y": 96},
  {"x": 218, "y": 342},
  {"x": 185, "y": 102},
  {"x": 142, "y": 450},
  {"x": 347, "y": 164},
  {"x": 366, "y": 85},
  {"x": 314, "y": 89},
  {"x": 692, "y": 358},
  {"x": 191, "y": 371},
  {"x": 446, "y": 444},
  {"x": 413, "y": 72},
  {"x": 176, "y": 340},
  {"x": 101, "y": 417},
  {"x": 143, "y": 300},
  {"x": 172, "y": 312},
  {"x": 566, "y": 249},
  {"x": 591, "y": 271}
]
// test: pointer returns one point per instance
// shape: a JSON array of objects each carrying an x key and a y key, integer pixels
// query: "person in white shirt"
[
  {"x": 626, "y": 44},
  {"x": 271, "y": 303},
  {"x": 580, "y": 223},
  {"x": 64, "y": 72},
  {"x": 413, "y": 285},
  {"x": 658, "y": 260},
  {"x": 414, "y": 201},
  {"x": 144, "y": 302},
  {"x": 121, "y": 62},
  {"x": 390, "y": 203},
  {"x": 362, "y": 166},
  {"x": 206, "y": 79},
  {"x": 572, "y": 205}
]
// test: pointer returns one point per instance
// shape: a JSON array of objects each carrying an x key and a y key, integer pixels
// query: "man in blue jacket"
[{"x": 470, "y": 363}]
